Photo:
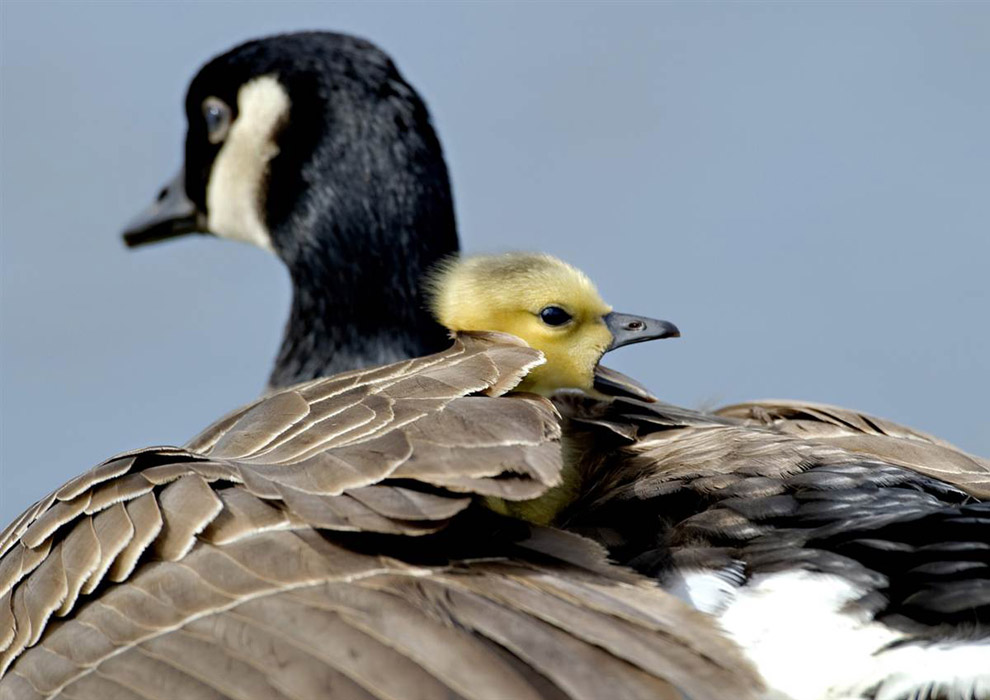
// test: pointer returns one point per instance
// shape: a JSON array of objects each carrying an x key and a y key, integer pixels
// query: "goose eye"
[
  {"x": 554, "y": 316},
  {"x": 216, "y": 114}
]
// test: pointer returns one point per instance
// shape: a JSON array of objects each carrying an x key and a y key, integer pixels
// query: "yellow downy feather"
[{"x": 507, "y": 293}]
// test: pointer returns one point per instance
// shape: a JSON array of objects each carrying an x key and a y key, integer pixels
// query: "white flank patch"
[
  {"x": 797, "y": 629},
  {"x": 793, "y": 627},
  {"x": 234, "y": 197},
  {"x": 954, "y": 670}
]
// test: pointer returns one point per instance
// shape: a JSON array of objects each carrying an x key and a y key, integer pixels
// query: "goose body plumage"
[
  {"x": 840, "y": 573},
  {"x": 871, "y": 436},
  {"x": 325, "y": 541}
]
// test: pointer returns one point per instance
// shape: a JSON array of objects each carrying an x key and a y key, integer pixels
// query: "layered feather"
[
  {"x": 869, "y": 435},
  {"x": 322, "y": 542},
  {"x": 831, "y": 565}
]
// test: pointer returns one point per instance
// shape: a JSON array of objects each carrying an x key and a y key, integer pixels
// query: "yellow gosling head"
[{"x": 551, "y": 305}]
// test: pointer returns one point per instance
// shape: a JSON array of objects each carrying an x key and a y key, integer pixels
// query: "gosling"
[
  {"x": 557, "y": 310},
  {"x": 551, "y": 305}
]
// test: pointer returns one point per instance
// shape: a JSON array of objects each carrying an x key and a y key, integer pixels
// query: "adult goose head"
[{"x": 313, "y": 146}]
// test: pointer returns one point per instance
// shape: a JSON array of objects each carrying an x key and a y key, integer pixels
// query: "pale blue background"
[{"x": 804, "y": 188}]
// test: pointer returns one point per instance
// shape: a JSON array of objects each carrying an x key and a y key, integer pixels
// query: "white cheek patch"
[{"x": 234, "y": 193}]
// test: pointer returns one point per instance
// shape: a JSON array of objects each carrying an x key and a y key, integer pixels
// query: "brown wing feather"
[
  {"x": 869, "y": 435},
  {"x": 301, "y": 547},
  {"x": 660, "y": 445}
]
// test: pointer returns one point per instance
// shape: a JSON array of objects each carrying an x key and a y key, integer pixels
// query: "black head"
[
  {"x": 280, "y": 126},
  {"x": 312, "y": 145}
]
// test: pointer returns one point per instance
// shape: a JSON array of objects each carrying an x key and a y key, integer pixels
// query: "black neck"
[
  {"x": 353, "y": 315},
  {"x": 357, "y": 262},
  {"x": 359, "y": 208}
]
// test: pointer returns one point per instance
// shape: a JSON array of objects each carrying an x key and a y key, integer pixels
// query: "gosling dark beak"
[
  {"x": 172, "y": 214},
  {"x": 627, "y": 329}
]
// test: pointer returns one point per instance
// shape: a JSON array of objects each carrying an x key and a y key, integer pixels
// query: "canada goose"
[
  {"x": 313, "y": 146},
  {"x": 726, "y": 476},
  {"x": 326, "y": 541}
]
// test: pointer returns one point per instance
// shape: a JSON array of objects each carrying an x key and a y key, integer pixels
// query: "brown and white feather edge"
[
  {"x": 864, "y": 434},
  {"x": 101, "y": 523},
  {"x": 177, "y": 572}
]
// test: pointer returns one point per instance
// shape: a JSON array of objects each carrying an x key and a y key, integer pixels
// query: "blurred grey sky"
[{"x": 804, "y": 188}]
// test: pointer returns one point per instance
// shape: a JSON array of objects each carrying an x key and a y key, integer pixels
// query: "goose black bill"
[
  {"x": 627, "y": 329},
  {"x": 172, "y": 214}
]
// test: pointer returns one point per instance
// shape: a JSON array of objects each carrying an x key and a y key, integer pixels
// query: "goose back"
[{"x": 322, "y": 542}]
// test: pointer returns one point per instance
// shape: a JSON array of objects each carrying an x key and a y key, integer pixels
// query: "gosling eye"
[
  {"x": 554, "y": 316},
  {"x": 216, "y": 114}
]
